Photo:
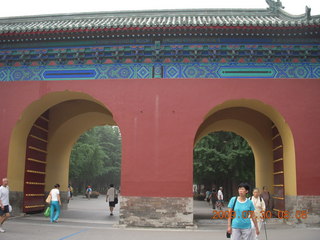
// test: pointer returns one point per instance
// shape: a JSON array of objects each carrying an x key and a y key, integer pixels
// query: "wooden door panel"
[
  {"x": 278, "y": 172},
  {"x": 35, "y": 167}
]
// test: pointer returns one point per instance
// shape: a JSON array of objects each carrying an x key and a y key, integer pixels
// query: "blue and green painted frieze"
[{"x": 159, "y": 70}]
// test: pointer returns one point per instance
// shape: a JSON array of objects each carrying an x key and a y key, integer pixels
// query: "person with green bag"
[
  {"x": 48, "y": 209},
  {"x": 55, "y": 203},
  {"x": 47, "y": 212}
]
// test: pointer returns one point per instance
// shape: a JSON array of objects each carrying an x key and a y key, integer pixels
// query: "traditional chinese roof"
[{"x": 270, "y": 19}]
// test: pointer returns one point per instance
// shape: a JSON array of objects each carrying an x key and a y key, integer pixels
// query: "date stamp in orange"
[{"x": 298, "y": 214}]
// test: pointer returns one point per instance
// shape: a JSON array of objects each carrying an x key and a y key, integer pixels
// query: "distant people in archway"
[
  {"x": 70, "y": 192},
  {"x": 112, "y": 198},
  {"x": 208, "y": 195},
  {"x": 213, "y": 198},
  {"x": 4, "y": 203},
  {"x": 88, "y": 192},
  {"x": 220, "y": 203},
  {"x": 266, "y": 197},
  {"x": 241, "y": 209},
  {"x": 260, "y": 207},
  {"x": 55, "y": 203}
]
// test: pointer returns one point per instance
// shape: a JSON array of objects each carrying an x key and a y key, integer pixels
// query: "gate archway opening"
[
  {"x": 42, "y": 140},
  {"x": 268, "y": 135},
  {"x": 221, "y": 159},
  {"x": 95, "y": 160}
]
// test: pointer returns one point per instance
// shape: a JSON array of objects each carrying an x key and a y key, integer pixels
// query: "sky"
[{"x": 40, "y": 7}]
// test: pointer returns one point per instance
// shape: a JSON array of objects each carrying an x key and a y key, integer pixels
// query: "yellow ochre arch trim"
[{"x": 17, "y": 145}]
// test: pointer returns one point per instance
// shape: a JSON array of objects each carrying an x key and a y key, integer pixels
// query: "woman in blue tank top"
[{"x": 241, "y": 210}]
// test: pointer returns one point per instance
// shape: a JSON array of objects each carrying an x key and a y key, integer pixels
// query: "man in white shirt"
[
  {"x": 4, "y": 203},
  {"x": 111, "y": 197},
  {"x": 220, "y": 198}
]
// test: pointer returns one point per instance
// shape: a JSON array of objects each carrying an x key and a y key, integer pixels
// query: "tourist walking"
[
  {"x": 220, "y": 199},
  {"x": 241, "y": 210},
  {"x": 4, "y": 203},
  {"x": 213, "y": 198},
  {"x": 266, "y": 197},
  {"x": 112, "y": 198},
  {"x": 208, "y": 195},
  {"x": 55, "y": 203},
  {"x": 70, "y": 191},
  {"x": 88, "y": 192},
  {"x": 260, "y": 208}
]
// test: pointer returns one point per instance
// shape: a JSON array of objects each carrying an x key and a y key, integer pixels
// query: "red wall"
[{"x": 158, "y": 119}]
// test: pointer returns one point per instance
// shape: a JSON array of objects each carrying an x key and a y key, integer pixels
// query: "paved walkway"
[{"x": 89, "y": 219}]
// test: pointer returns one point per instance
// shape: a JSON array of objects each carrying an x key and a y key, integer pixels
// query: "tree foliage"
[
  {"x": 96, "y": 159},
  {"x": 221, "y": 158}
]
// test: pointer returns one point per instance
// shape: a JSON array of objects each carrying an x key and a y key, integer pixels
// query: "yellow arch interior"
[
  {"x": 253, "y": 120},
  {"x": 71, "y": 114}
]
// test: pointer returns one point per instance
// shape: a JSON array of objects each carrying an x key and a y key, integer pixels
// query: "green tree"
[
  {"x": 223, "y": 159},
  {"x": 96, "y": 159}
]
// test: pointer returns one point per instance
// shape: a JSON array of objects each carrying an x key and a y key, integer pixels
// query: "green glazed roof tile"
[{"x": 273, "y": 16}]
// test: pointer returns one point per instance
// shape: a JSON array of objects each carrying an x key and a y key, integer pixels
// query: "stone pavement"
[{"x": 89, "y": 219}]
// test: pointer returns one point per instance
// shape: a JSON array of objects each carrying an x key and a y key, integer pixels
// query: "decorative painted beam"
[{"x": 160, "y": 70}]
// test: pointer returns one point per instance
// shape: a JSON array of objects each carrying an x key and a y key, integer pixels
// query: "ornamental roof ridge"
[
  {"x": 159, "y": 13},
  {"x": 141, "y": 13},
  {"x": 275, "y": 6}
]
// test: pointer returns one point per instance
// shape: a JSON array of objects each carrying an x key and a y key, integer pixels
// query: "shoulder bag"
[
  {"x": 116, "y": 200},
  {"x": 234, "y": 204},
  {"x": 48, "y": 200}
]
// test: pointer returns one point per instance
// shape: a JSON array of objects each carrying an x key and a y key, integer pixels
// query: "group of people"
[
  {"x": 111, "y": 196},
  {"x": 215, "y": 197},
  {"x": 246, "y": 215},
  {"x": 240, "y": 226},
  {"x": 55, "y": 203}
]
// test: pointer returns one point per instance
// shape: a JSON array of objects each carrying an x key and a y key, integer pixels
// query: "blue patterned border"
[{"x": 164, "y": 70}]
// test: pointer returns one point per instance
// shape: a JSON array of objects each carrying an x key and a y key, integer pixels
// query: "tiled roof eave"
[
  {"x": 243, "y": 25},
  {"x": 92, "y": 30}
]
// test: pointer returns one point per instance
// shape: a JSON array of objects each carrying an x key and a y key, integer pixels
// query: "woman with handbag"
[
  {"x": 241, "y": 210},
  {"x": 112, "y": 197},
  {"x": 55, "y": 203}
]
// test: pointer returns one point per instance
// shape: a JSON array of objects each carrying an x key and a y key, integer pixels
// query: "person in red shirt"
[{"x": 266, "y": 198}]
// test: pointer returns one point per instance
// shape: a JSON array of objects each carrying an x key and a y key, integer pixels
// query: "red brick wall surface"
[{"x": 158, "y": 119}]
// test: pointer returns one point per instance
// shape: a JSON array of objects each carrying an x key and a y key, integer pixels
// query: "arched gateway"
[{"x": 166, "y": 78}]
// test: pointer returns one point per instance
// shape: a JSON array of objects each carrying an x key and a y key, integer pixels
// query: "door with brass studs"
[
  {"x": 278, "y": 172},
  {"x": 35, "y": 165}
]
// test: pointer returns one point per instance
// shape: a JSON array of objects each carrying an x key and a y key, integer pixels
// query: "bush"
[{"x": 95, "y": 194}]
